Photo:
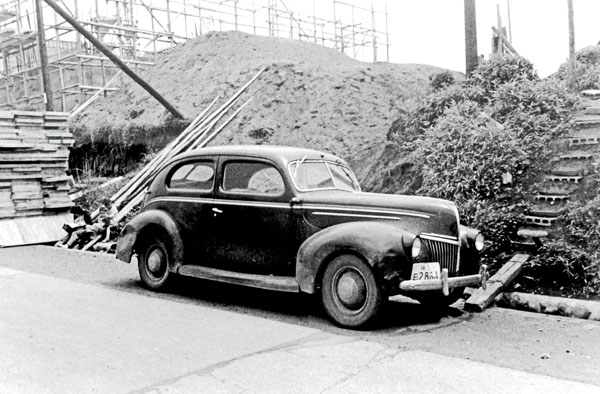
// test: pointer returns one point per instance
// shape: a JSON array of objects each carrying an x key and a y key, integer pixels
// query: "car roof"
[{"x": 281, "y": 154}]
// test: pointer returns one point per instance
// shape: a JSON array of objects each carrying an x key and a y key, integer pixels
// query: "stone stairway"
[{"x": 578, "y": 157}]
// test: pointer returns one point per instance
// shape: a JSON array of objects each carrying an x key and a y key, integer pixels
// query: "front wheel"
[
  {"x": 153, "y": 263},
  {"x": 349, "y": 292}
]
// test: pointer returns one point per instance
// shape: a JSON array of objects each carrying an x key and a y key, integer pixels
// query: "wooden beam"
[{"x": 481, "y": 298}]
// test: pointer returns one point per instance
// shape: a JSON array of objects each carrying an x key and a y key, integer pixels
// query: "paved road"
[{"x": 73, "y": 322}]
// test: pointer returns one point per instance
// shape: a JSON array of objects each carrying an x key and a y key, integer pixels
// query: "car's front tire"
[
  {"x": 349, "y": 292},
  {"x": 153, "y": 262}
]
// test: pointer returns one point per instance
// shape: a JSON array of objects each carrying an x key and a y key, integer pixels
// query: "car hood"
[{"x": 413, "y": 213}]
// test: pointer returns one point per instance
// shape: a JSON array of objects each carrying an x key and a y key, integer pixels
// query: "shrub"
[
  {"x": 441, "y": 80},
  {"x": 584, "y": 72},
  {"x": 464, "y": 156},
  {"x": 502, "y": 69}
]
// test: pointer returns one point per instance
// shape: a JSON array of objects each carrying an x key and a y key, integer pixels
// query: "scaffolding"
[{"x": 138, "y": 30}]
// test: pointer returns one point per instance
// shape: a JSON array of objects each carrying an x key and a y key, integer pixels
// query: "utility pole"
[
  {"x": 472, "y": 59},
  {"x": 41, "y": 37},
  {"x": 571, "y": 30}
]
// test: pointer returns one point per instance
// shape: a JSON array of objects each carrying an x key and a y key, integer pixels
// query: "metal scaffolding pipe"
[{"x": 115, "y": 59}]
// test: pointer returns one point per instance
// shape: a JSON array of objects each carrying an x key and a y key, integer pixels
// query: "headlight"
[
  {"x": 416, "y": 248},
  {"x": 479, "y": 242}
]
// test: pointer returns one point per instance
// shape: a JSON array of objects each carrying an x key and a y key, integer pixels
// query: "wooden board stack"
[{"x": 34, "y": 154}]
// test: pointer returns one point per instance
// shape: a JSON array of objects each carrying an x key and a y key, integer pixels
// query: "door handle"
[{"x": 217, "y": 210}]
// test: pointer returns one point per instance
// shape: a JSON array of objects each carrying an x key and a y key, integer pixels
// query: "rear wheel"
[
  {"x": 349, "y": 292},
  {"x": 153, "y": 262}
]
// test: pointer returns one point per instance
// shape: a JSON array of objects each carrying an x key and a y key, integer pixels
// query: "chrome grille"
[{"x": 445, "y": 253}]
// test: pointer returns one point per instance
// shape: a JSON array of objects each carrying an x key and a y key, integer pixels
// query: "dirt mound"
[{"x": 310, "y": 96}]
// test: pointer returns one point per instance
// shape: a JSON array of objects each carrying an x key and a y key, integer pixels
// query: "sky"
[{"x": 432, "y": 31}]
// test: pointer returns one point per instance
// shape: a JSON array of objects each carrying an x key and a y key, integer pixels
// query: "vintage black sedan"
[{"x": 293, "y": 219}]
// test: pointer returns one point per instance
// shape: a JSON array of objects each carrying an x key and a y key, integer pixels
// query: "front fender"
[
  {"x": 153, "y": 217},
  {"x": 380, "y": 244}
]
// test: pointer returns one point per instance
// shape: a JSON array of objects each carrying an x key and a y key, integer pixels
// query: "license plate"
[{"x": 425, "y": 271}]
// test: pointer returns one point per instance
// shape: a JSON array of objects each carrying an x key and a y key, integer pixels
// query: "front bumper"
[{"x": 446, "y": 283}]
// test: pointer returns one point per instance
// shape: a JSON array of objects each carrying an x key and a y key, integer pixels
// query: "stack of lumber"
[{"x": 34, "y": 154}]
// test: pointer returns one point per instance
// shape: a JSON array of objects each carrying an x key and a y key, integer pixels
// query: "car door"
[
  {"x": 189, "y": 196},
  {"x": 254, "y": 228}
]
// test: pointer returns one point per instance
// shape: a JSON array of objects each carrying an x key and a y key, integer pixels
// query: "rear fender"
[
  {"x": 153, "y": 217},
  {"x": 379, "y": 244}
]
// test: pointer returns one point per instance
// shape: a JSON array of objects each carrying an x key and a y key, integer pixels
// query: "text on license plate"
[{"x": 425, "y": 271}]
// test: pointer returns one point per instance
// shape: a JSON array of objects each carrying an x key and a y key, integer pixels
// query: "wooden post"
[
  {"x": 374, "y": 34},
  {"x": 108, "y": 53},
  {"x": 169, "y": 22},
  {"x": 509, "y": 22},
  {"x": 471, "y": 56},
  {"x": 571, "y": 29},
  {"x": 387, "y": 36},
  {"x": 41, "y": 37},
  {"x": 235, "y": 14}
]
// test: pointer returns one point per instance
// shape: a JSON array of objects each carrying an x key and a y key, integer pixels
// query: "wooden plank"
[
  {"x": 481, "y": 299},
  {"x": 32, "y": 230},
  {"x": 57, "y": 179}
]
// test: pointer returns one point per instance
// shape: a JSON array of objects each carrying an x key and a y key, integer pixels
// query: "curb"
[{"x": 570, "y": 307}]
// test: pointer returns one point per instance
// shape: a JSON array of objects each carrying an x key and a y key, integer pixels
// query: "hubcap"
[
  {"x": 351, "y": 289},
  {"x": 156, "y": 261}
]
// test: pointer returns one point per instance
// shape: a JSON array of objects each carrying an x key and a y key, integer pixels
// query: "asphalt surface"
[{"x": 80, "y": 322}]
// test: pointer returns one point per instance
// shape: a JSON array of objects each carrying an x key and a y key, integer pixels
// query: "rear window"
[{"x": 193, "y": 176}]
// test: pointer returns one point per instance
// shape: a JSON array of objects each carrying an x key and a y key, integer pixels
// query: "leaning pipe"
[{"x": 113, "y": 57}]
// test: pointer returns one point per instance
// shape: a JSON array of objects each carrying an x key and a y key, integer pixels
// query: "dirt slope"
[{"x": 310, "y": 96}]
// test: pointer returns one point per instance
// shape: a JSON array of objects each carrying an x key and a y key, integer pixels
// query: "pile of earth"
[{"x": 310, "y": 96}]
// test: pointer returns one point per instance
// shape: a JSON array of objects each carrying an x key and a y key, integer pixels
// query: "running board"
[{"x": 267, "y": 282}]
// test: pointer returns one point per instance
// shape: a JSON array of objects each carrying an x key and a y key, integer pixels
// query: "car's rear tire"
[
  {"x": 153, "y": 262},
  {"x": 349, "y": 292}
]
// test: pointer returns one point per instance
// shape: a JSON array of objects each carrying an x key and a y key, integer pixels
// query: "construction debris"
[{"x": 34, "y": 153}]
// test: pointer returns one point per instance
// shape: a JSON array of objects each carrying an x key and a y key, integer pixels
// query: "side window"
[
  {"x": 252, "y": 178},
  {"x": 193, "y": 176}
]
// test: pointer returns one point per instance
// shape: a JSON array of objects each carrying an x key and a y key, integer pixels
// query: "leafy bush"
[
  {"x": 442, "y": 80},
  {"x": 464, "y": 156},
  {"x": 502, "y": 69},
  {"x": 560, "y": 266},
  {"x": 584, "y": 72}
]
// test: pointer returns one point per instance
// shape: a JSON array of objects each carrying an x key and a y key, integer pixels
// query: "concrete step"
[
  {"x": 578, "y": 155},
  {"x": 552, "y": 198},
  {"x": 565, "y": 179},
  {"x": 539, "y": 220},
  {"x": 529, "y": 238},
  {"x": 583, "y": 119},
  {"x": 584, "y": 140},
  {"x": 590, "y": 93},
  {"x": 557, "y": 188},
  {"x": 592, "y": 110},
  {"x": 569, "y": 169},
  {"x": 547, "y": 210},
  {"x": 527, "y": 232}
]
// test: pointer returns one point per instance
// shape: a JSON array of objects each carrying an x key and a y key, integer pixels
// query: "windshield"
[{"x": 320, "y": 174}]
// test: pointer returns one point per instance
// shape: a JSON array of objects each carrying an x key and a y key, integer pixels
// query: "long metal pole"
[
  {"x": 114, "y": 58},
  {"x": 49, "y": 104}
]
